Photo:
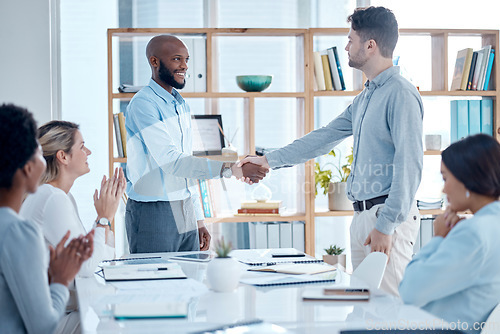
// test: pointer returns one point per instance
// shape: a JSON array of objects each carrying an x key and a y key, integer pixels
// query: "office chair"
[{"x": 372, "y": 269}]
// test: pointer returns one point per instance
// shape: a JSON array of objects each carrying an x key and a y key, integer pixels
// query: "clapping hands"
[
  {"x": 106, "y": 201},
  {"x": 65, "y": 262}
]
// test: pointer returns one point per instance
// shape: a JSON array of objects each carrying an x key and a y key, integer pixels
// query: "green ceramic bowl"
[{"x": 253, "y": 83}]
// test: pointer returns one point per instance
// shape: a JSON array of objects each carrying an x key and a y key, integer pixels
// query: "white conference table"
[{"x": 207, "y": 309}]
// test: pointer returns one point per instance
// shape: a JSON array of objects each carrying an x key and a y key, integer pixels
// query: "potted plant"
[
  {"x": 334, "y": 184},
  {"x": 223, "y": 272},
  {"x": 334, "y": 255}
]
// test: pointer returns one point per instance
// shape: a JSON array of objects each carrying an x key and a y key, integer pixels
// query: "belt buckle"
[{"x": 364, "y": 206}]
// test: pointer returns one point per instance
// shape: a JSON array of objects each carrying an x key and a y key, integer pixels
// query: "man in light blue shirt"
[
  {"x": 385, "y": 120},
  {"x": 163, "y": 212}
]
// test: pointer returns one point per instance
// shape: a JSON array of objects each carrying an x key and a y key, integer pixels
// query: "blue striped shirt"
[{"x": 160, "y": 166}]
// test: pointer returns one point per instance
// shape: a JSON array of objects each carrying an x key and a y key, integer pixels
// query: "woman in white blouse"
[{"x": 55, "y": 210}]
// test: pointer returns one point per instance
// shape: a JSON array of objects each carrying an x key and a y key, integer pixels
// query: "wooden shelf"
[
  {"x": 351, "y": 213},
  {"x": 128, "y": 96},
  {"x": 246, "y": 219},
  {"x": 432, "y": 152}
]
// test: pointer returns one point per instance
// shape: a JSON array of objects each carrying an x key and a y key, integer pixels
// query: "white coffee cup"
[{"x": 433, "y": 142}]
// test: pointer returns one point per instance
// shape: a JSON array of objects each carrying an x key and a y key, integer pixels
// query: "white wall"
[{"x": 25, "y": 61}]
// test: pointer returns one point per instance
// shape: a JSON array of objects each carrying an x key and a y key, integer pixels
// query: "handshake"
[{"x": 251, "y": 169}]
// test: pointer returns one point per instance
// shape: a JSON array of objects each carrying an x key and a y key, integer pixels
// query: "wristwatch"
[
  {"x": 226, "y": 170},
  {"x": 104, "y": 222}
]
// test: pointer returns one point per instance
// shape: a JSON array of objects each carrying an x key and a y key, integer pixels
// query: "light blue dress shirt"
[
  {"x": 160, "y": 165},
  {"x": 458, "y": 277},
  {"x": 385, "y": 120},
  {"x": 27, "y": 303}
]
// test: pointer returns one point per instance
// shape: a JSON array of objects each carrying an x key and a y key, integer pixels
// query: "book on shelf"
[
  {"x": 326, "y": 72},
  {"x": 472, "y": 70},
  {"x": 469, "y": 117},
  {"x": 126, "y": 88},
  {"x": 318, "y": 71},
  {"x": 260, "y": 211},
  {"x": 333, "y": 68},
  {"x": 253, "y": 204},
  {"x": 487, "y": 116},
  {"x": 474, "y": 117},
  {"x": 462, "y": 68},
  {"x": 196, "y": 74},
  {"x": 485, "y": 50},
  {"x": 205, "y": 198},
  {"x": 123, "y": 132},
  {"x": 339, "y": 68},
  {"x": 488, "y": 69},
  {"x": 118, "y": 136}
]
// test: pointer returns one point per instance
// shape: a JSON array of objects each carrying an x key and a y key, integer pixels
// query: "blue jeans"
[{"x": 162, "y": 226}]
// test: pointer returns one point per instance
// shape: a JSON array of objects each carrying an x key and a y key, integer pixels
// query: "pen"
[{"x": 152, "y": 269}]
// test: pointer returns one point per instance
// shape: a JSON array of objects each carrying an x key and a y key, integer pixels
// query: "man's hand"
[
  {"x": 379, "y": 242},
  {"x": 254, "y": 168},
  {"x": 204, "y": 236}
]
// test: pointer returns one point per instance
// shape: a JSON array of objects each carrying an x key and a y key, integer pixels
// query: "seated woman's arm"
[
  {"x": 60, "y": 215},
  {"x": 443, "y": 267},
  {"x": 25, "y": 270}
]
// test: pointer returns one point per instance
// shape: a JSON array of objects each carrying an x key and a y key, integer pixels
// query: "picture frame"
[{"x": 207, "y": 135}]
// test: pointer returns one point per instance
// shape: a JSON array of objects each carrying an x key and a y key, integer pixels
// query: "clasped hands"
[{"x": 251, "y": 169}]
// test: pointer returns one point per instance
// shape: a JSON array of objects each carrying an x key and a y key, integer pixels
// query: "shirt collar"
[
  {"x": 175, "y": 97},
  {"x": 381, "y": 79}
]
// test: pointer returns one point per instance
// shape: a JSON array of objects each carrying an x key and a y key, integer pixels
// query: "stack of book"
[
  {"x": 469, "y": 117},
  {"x": 120, "y": 134},
  {"x": 327, "y": 70},
  {"x": 473, "y": 69},
  {"x": 429, "y": 204},
  {"x": 260, "y": 208},
  {"x": 126, "y": 88}
]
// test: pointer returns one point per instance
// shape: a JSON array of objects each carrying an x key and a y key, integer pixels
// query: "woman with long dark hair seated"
[{"x": 456, "y": 276}]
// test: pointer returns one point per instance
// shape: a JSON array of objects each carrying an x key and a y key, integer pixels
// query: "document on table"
[
  {"x": 297, "y": 269},
  {"x": 148, "y": 271},
  {"x": 283, "y": 279},
  {"x": 336, "y": 293},
  {"x": 264, "y": 257},
  {"x": 150, "y": 310}
]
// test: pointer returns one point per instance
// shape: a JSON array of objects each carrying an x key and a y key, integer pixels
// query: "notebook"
[
  {"x": 277, "y": 280},
  {"x": 336, "y": 294},
  {"x": 150, "y": 310},
  {"x": 296, "y": 269}
]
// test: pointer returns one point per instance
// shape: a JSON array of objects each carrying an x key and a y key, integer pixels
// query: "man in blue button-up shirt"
[
  {"x": 385, "y": 121},
  {"x": 163, "y": 212}
]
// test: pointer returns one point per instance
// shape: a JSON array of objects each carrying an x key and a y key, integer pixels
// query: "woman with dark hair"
[
  {"x": 456, "y": 276},
  {"x": 55, "y": 210},
  {"x": 31, "y": 300}
]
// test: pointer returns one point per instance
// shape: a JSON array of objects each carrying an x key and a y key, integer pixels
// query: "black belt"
[{"x": 366, "y": 205}]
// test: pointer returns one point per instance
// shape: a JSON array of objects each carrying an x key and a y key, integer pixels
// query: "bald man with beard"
[{"x": 164, "y": 213}]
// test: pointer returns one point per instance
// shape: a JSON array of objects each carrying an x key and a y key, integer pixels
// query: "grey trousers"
[{"x": 162, "y": 226}]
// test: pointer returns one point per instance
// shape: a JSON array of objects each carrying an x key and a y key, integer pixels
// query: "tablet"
[{"x": 198, "y": 257}]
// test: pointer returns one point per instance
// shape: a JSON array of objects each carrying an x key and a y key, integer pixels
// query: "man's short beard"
[{"x": 168, "y": 77}]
